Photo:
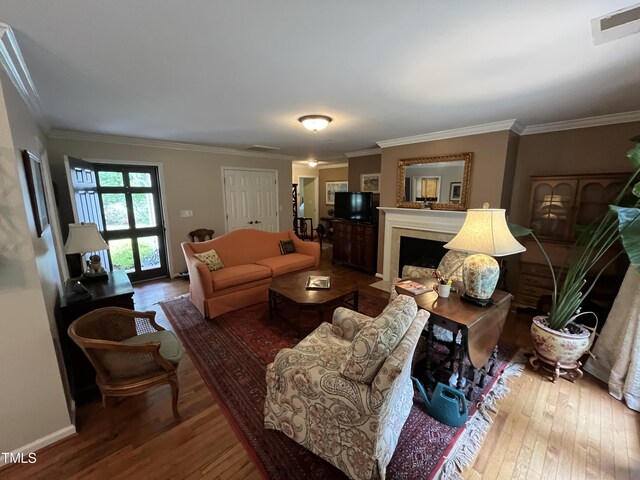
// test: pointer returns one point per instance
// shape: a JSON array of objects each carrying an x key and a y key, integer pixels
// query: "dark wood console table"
[
  {"x": 480, "y": 329},
  {"x": 112, "y": 291},
  {"x": 356, "y": 244}
]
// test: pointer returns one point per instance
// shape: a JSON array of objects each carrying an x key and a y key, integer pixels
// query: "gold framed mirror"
[{"x": 441, "y": 183}]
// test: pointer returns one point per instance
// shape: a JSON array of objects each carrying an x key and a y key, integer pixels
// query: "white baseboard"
[
  {"x": 43, "y": 442},
  {"x": 379, "y": 275}
]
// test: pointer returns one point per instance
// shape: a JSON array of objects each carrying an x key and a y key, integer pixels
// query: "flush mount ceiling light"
[
  {"x": 315, "y": 123},
  {"x": 312, "y": 163}
]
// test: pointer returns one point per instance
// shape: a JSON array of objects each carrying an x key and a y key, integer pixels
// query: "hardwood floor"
[{"x": 542, "y": 430}]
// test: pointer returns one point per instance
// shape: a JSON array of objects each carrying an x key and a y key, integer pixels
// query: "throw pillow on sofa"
[
  {"x": 287, "y": 246},
  {"x": 210, "y": 259}
]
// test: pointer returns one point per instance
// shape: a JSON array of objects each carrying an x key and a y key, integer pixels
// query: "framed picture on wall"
[
  {"x": 455, "y": 189},
  {"x": 370, "y": 182},
  {"x": 35, "y": 184},
  {"x": 332, "y": 188}
]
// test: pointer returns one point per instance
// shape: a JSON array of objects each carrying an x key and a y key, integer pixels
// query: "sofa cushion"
[
  {"x": 287, "y": 247},
  {"x": 170, "y": 347},
  {"x": 240, "y": 247},
  {"x": 449, "y": 267},
  {"x": 378, "y": 338},
  {"x": 238, "y": 274},
  {"x": 124, "y": 364},
  {"x": 412, "y": 271},
  {"x": 210, "y": 259},
  {"x": 328, "y": 350},
  {"x": 287, "y": 263}
]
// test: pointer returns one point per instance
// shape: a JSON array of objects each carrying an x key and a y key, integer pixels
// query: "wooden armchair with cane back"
[
  {"x": 130, "y": 352},
  {"x": 201, "y": 234}
]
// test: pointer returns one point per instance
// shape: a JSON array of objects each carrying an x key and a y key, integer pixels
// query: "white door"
[{"x": 251, "y": 199}]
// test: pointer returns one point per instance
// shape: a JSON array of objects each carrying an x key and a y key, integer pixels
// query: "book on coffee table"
[
  {"x": 410, "y": 287},
  {"x": 318, "y": 282}
]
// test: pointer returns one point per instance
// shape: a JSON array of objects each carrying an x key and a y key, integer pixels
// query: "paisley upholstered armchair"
[{"x": 344, "y": 391}]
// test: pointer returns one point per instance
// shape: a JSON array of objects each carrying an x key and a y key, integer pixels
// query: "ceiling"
[{"x": 237, "y": 74}]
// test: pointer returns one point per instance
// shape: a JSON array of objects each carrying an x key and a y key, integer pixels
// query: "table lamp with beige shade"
[
  {"x": 85, "y": 238},
  {"x": 484, "y": 235}
]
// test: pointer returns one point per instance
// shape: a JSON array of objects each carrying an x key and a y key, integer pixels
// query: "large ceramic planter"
[{"x": 560, "y": 351}]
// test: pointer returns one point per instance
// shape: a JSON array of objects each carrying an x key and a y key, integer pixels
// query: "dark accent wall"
[
  {"x": 488, "y": 167},
  {"x": 585, "y": 150},
  {"x": 362, "y": 165},
  {"x": 339, "y": 174}
]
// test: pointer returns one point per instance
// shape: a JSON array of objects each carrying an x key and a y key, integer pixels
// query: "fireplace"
[
  {"x": 420, "y": 252},
  {"x": 439, "y": 226}
]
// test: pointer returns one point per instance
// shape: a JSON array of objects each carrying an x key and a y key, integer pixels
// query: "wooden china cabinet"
[{"x": 558, "y": 204}]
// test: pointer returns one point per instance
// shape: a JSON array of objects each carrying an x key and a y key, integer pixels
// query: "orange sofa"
[{"x": 251, "y": 258}]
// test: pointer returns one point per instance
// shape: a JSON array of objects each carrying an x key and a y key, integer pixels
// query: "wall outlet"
[{"x": 186, "y": 213}]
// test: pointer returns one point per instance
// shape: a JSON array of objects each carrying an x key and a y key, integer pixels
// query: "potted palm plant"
[{"x": 558, "y": 341}]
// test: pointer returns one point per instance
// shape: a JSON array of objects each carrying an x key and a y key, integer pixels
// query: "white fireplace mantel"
[{"x": 422, "y": 220}]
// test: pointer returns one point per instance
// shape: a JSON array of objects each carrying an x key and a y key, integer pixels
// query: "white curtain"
[{"x": 617, "y": 351}]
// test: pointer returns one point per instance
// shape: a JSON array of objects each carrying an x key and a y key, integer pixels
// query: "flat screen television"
[{"x": 355, "y": 206}]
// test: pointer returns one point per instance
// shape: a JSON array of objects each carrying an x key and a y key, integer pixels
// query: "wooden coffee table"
[
  {"x": 312, "y": 305},
  {"x": 480, "y": 329}
]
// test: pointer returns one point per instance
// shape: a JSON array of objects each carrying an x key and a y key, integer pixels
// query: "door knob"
[
  {"x": 257, "y": 221},
  {"x": 251, "y": 222}
]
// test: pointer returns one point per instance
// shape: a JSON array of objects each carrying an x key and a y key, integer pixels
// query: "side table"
[
  {"x": 115, "y": 290},
  {"x": 480, "y": 329}
]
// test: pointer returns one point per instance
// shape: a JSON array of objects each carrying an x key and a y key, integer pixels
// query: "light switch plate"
[{"x": 186, "y": 213}]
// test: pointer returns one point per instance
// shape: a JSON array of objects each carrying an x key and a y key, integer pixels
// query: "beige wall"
[
  {"x": 361, "y": 165},
  {"x": 488, "y": 168},
  {"x": 302, "y": 171},
  {"x": 192, "y": 181},
  {"x": 32, "y": 399},
  {"x": 340, "y": 174}
]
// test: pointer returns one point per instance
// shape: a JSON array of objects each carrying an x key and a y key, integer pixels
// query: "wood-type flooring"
[{"x": 542, "y": 431}]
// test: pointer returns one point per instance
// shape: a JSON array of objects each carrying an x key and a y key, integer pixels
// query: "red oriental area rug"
[{"x": 232, "y": 352}]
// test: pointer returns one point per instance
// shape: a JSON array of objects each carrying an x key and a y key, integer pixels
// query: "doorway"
[
  {"x": 133, "y": 226},
  {"x": 308, "y": 201}
]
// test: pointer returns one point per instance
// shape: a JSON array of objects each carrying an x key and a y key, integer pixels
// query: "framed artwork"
[
  {"x": 455, "y": 190},
  {"x": 370, "y": 182},
  {"x": 332, "y": 188},
  {"x": 35, "y": 184},
  {"x": 427, "y": 189}
]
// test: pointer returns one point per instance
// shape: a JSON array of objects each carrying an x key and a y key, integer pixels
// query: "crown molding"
[
  {"x": 147, "y": 142},
  {"x": 364, "y": 153},
  {"x": 16, "y": 68},
  {"x": 456, "y": 132},
  {"x": 333, "y": 165},
  {"x": 611, "y": 119},
  {"x": 517, "y": 127}
]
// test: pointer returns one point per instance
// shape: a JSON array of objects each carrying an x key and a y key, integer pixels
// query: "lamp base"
[
  {"x": 480, "y": 274},
  {"x": 481, "y": 302},
  {"x": 94, "y": 277}
]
